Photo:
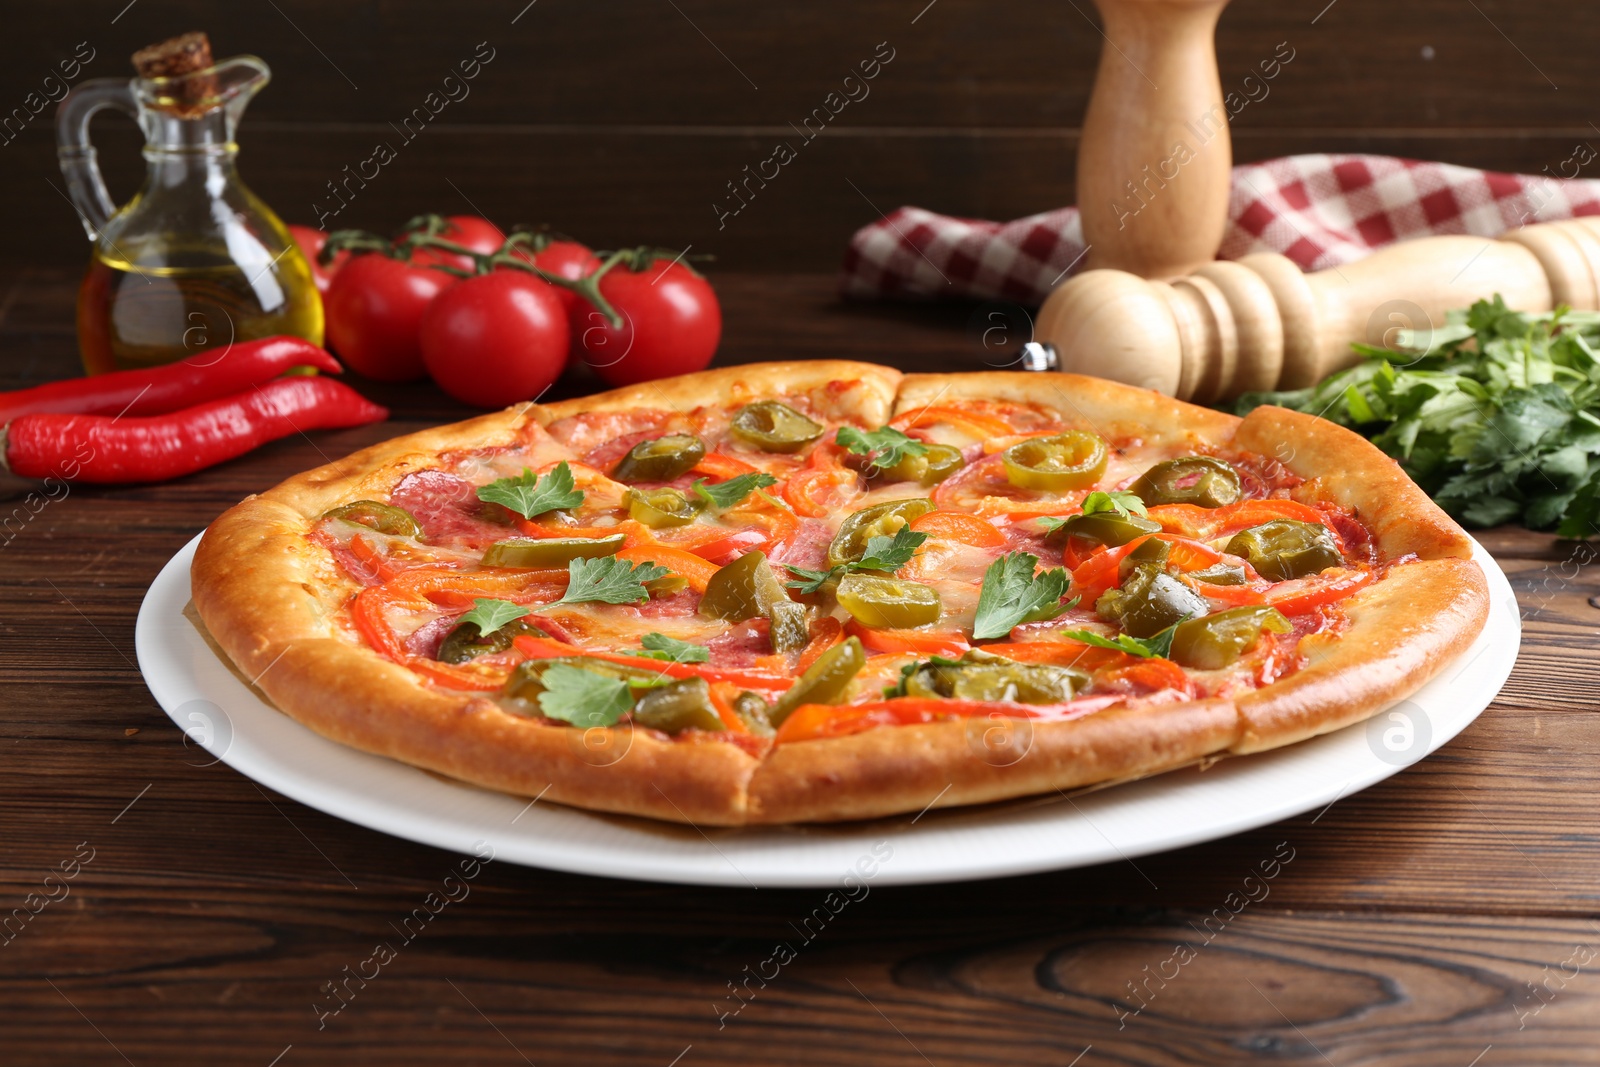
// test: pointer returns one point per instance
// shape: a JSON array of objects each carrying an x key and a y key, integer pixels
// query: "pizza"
[{"x": 821, "y": 591}]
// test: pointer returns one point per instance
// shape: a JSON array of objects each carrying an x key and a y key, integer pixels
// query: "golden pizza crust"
[
  {"x": 869, "y": 397},
  {"x": 1110, "y": 409},
  {"x": 1403, "y": 629},
  {"x": 272, "y": 600},
  {"x": 1342, "y": 467}
]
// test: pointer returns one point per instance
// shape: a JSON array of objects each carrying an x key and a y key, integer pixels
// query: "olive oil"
[{"x": 141, "y": 316}]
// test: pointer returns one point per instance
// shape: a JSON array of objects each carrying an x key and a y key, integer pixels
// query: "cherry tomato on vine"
[
  {"x": 374, "y": 307},
  {"x": 311, "y": 241},
  {"x": 469, "y": 231},
  {"x": 671, "y": 323},
  {"x": 495, "y": 339},
  {"x": 564, "y": 259}
]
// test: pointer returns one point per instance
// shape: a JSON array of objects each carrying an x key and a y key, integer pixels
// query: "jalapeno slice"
[
  {"x": 929, "y": 469},
  {"x": 980, "y": 675},
  {"x": 660, "y": 508},
  {"x": 683, "y": 705},
  {"x": 660, "y": 460},
  {"x": 743, "y": 589},
  {"x": 1220, "y": 574},
  {"x": 888, "y": 603},
  {"x": 1149, "y": 601},
  {"x": 666, "y": 585},
  {"x": 1153, "y": 552},
  {"x": 1287, "y": 548},
  {"x": 880, "y": 520},
  {"x": 753, "y": 711},
  {"x": 1106, "y": 528},
  {"x": 532, "y": 553},
  {"x": 466, "y": 642},
  {"x": 384, "y": 518},
  {"x": 1204, "y": 481},
  {"x": 1066, "y": 461},
  {"x": 1217, "y": 641},
  {"x": 825, "y": 681},
  {"x": 774, "y": 427},
  {"x": 788, "y": 626}
]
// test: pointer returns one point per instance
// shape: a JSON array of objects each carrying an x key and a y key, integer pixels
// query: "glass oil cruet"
[{"x": 194, "y": 261}]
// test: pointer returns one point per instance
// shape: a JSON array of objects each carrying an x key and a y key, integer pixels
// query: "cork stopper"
[
  {"x": 178, "y": 58},
  {"x": 174, "y": 58}
]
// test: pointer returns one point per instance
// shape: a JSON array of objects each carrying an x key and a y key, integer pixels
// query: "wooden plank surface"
[
  {"x": 1442, "y": 918},
  {"x": 624, "y": 123}
]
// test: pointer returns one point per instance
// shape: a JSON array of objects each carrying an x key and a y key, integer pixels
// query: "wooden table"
[{"x": 1445, "y": 917}]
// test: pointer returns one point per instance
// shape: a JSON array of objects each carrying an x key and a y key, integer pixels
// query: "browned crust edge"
[
  {"x": 743, "y": 383},
  {"x": 1402, "y": 630},
  {"x": 256, "y": 583},
  {"x": 1110, "y": 409},
  {"x": 1344, "y": 468}
]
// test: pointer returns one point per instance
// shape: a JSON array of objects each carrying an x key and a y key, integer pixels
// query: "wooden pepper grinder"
[
  {"x": 1156, "y": 161},
  {"x": 1261, "y": 323}
]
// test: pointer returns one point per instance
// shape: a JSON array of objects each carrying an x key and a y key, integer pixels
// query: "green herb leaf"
[
  {"x": 889, "y": 553},
  {"x": 1013, "y": 594},
  {"x": 670, "y": 649},
  {"x": 724, "y": 495},
  {"x": 583, "y": 698},
  {"x": 528, "y": 495},
  {"x": 886, "y": 445},
  {"x": 1120, "y": 501},
  {"x": 811, "y": 581},
  {"x": 609, "y": 580},
  {"x": 881, "y": 554},
  {"x": 1143, "y": 647},
  {"x": 1496, "y": 414},
  {"x": 490, "y": 615}
]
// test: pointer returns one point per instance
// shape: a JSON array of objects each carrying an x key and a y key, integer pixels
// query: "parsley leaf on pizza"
[
  {"x": 886, "y": 446},
  {"x": 1143, "y": 647},
  {"x": 1120, "y": 501},
  {"x": 583, "y": 698},
  {"x": 890, "y": 553},
  {"x": 1011, "y": 594},
  {"x": 882, "y": 554},
  {"x": 810, "y": 580},
  {"x": 609, "y": 580},
  {"x": 528, "y": 495},
  {"x": 670, "y": 649},
  {"x": 726, "y": 494},
  {"x": 489, "y": 615}
]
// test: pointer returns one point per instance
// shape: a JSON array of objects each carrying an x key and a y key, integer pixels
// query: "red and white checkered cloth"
[{"x": 1319, "y": 210}]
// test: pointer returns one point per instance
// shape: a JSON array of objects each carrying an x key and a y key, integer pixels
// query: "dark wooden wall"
[{"x": 623, "y": 122}]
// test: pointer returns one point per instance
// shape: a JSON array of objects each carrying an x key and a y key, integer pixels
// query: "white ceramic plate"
[{"x": 220, "y": 714}]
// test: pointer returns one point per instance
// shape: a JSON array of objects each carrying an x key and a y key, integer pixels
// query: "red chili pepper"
[
  {"x": 208, "y": 375},
  {"x": 108, "y": 449}
]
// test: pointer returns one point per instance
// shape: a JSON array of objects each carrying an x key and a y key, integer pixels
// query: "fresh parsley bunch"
[{"x": 1496, "y": 414}]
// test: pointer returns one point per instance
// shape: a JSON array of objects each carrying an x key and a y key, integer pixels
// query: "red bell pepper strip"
[
  {"x": 1300, "y": 595},
  {"x": 108, "y": 449},
  {"x": 549, "y": 648},
  {"x": 810, "y": 722},
  {"x": 948, "y": 643},
  {"x": 207, "y": 375}
]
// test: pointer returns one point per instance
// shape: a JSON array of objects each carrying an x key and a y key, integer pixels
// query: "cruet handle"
[{"x": 85, "y": 186}]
